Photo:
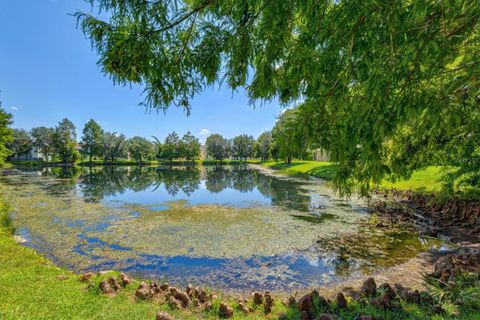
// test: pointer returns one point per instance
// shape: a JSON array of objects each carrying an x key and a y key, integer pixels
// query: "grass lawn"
[
  {"x": 323, "y": 170},
  {"x": 426, "y": 180}
]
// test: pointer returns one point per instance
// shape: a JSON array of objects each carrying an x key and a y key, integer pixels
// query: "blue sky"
[{"x": 48, "y": 71}]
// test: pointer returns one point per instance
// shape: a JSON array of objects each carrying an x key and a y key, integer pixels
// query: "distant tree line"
[
  {"x": 60, "y": 143},
  {"x": 285, "y": 141}
]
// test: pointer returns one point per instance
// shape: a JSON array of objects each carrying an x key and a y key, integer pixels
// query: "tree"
[
  {"x": 242, "y": 146},
  {"x": 5, "y": 133},
  {"x": 43, "y": 140},
  {"x": 289, "y": 136},
  {"x": 191, "y": 146},
  {"x": 158, "y": 147},
  {"x": 218, "y": 147},
  {"x": 91, "y": 139},
  {"x": 366, "y": 70},
  {"x": 21, "y": 144},
  {"x": 114, "y": 146},
  {"x": 171, "y": 147},
  {"x": 65, "y": 141},
  {"x": 262, "y": 146},
  {"x": 140, "y": 149}
]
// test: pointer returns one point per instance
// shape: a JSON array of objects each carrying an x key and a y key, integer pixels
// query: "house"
[{"x": 33, "y": 155}]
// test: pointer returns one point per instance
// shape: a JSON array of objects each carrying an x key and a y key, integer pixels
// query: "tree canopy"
[
  {"x": 5, "y": 133},
  {"x": 21, "y": 144},
  {"x": 370, "y": 73},
  {"x": 65, "y": 141},
  {"x": 43, "y": 140},
  {"x": 289, "y": 136},
  {"x": 91, "y": 139},
  {"x": 242, "y": 146},
  {"x": 114, "y": 146},
  {"x": 218, "y": 147},
  {"x": 262, "y": 146},
  {"x": 140, "y": 149}
]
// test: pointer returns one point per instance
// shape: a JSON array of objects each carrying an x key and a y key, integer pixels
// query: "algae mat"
[{"x": 226, "y": 227}]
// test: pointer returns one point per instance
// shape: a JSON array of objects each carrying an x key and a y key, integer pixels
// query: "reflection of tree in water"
[
  {"x": 186, "y": 179},
  {"x": 68, "y": 175},
  {"x": 283, "y": 192},
  {"x": 218, "y": 178},
  {"x": 99, "y": 182},
  {"x": 243, "y": 179}
]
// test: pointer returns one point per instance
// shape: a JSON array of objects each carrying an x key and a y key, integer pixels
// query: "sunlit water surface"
[{"x": 230, "y": 227}]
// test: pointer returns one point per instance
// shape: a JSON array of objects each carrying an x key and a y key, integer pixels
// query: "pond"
[{"x": 228, "y": 227}]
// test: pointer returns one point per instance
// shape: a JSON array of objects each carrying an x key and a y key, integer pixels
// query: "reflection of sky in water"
[
  {"x": 305, "y": 202},
  {"x": 228, "y": 196}
]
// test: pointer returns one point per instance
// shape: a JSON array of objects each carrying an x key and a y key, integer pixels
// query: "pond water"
[{"x": 228, "y": 227}]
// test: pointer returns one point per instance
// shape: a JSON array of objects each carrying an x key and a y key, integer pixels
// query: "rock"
[
  {"x": 174, "y": 303},
  {"x": 225, "y": 311},
  {"x": 267, "y": 308},
  {"x": 86, "y": 276},
  {"x": 369, "y": 287},
  {"x": 326, "y": 317},
  {"x": 386, "y": 288},
  {"x": 213, "y": 296},
  {"x": 341, "y": 301},
  {"x": 154, "y": 288},
  {"x": 106, "y": 288},
  {"x": 114, "y": 284},
  {"x": 257, "y": 298},
  {"x": 163, "y": 316},
  {"x": 183, "y": 297},
  {"x": 164, "y": 287},
  {"x": 292, "y": 301},
  {"x": 143, "y": 291},
  {"x": 305, "y": 305},
  {"x": 386, "y": 300},
  {"x": 202, "y": 296},
  {"x": 443, "y": 264},
  {"x": 125, "y": 280},
  {"x": 243, "y": 307},
  {"x": 191, "y": 291}
]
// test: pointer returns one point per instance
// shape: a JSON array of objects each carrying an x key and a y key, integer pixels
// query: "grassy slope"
[{"x": 426, "y": 180}]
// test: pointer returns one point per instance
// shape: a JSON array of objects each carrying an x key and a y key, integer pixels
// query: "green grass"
[
  {"x": 30, "y": 288},
  {"x": 322, "y": 170},
  {"x": 425, "y": 181}
]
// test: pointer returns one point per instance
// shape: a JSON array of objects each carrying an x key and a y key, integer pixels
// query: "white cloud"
[
  {"x": 14, "y": 108},
  {"x": 205, "y": 132}
]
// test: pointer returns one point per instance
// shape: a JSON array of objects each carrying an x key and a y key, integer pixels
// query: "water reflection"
[
  {"x": 98, "y": 183},
  {"x": 223, "y": 226}
]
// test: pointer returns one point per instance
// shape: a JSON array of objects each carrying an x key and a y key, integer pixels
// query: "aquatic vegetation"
[{"x": 155, "y": 223}]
